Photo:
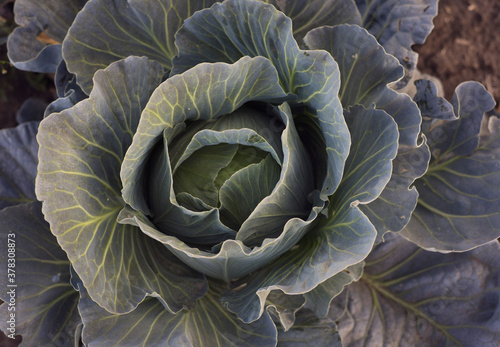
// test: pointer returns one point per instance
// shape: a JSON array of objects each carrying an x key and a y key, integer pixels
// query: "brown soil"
[{"x": 464, "y": 45}]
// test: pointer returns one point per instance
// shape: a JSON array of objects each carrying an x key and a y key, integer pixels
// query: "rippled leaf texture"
[
  {"x": 108, "y": 30},
  {"x": 411, "y": 297},
  {"x": 18, "y": 161},
  {"x": 81, "y": 152},
  {"x": 366, "y": 70},
  {"x": 459, "y": 135},
  {"x": 459, "y": 196},
  {"x": 208, "y": 323},
  {"x": 393, "y": 209},
  {"x": 68, "y": 91},
  {"x": 45, "y": 302},
  {"x": 398, "y": 25},
  {"x": 36, "y": 44},
  {"x": 430, "y": 105},
  {"x": 284, "y": 308}
]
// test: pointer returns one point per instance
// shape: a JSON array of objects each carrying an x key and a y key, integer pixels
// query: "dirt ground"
[{"x": 464, "y": 45}]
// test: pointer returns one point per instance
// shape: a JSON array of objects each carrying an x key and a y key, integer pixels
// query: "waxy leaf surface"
[
  {"x": 37, "y": 289},
  {"x": 151, "y": 325},
  {"x": 411, "y": 297},
  {"x": 459, "y": 196},
  {"x": 81, "y": 153},
  {"x": 310, "y": 331},
  {"x": 366, "y": 70},
  {"x": 310, "y": 14},
  {"x": 339, "y": 241},
  {"x": 106, "y": 31},
  {"x": 18, "y": 161}
]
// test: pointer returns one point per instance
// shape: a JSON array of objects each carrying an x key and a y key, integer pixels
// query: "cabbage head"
[{"x": 229, "y": 194}]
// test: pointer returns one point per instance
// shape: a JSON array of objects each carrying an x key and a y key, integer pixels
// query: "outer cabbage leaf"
[
  {"x": 310, "y": 330},
  {"x": 31, "y": 110},
  {"x": 228, "y": 31},
  {"x": 65, "y": 82},
  {"x": 319, "y": 299},
  {"x": 68, "y": 91},
  {"x": 108, "y": 30},
  {"x": 336, "y": 242},
  {"x": 18, "y": 161},
  {"x": 44, "y": 302},
  {"x": 410, "y": 297},
  {"x": 393, "y": 209},
  {"x": 310, "y": 14},
  {"x": 369, "y": 164},
  {"x": 151, "y": 325},
  {"x": 36, "y": 44},
  {"x": 430, "y": 105},
  {"x": 64, "y": 103},
  {"x": 398, "y": 25},
  {"x": 284, "y": 308},
  {"x": 81, "y": 152},
  {"x": 366, "y": 70},
  {"x": 458, "y": 135},
  {"x": 459, "y": 204}
]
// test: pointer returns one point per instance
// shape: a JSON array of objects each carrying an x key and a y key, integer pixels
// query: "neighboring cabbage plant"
[{"x": 217, "y": 176}]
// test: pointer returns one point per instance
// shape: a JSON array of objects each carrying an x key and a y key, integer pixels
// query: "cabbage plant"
[{"x": 246, "y": 173}]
